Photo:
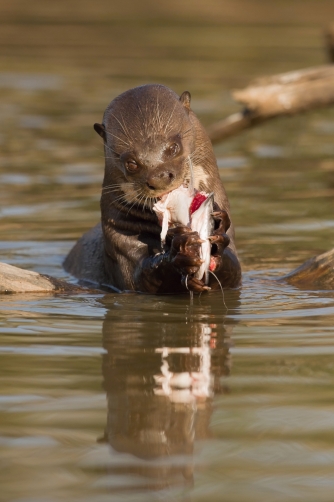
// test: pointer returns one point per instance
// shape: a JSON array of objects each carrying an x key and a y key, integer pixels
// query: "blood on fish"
[
  {"x": 213, "y": 264},
  {"x": 197, "y": 202}
]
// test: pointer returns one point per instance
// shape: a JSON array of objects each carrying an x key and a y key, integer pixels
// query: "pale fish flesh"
[
  {"x": 191, "y": 208},
  {"x": 173, "y": 208},
  {"x": 203, "y": 223}
]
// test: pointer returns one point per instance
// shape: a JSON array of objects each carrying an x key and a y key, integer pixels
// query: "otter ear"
[
  {"x": 101, "y": 130},
  {"x": 185, "y": 99}
]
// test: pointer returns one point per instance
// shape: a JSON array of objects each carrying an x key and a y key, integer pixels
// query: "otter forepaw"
[
  {"x": 219, "y": 239},
  {"x": 184, "y": 247},
  {"x": 185, "y": 252},
  {"x": 222, "y": 219},
  {"x": 174, "y": 232}
]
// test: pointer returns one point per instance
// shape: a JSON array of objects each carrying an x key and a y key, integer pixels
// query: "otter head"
[{"x": 148, "y": 136}]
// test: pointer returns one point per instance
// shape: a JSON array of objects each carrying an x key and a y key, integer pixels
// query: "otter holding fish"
[{"x": 154, "y": 147}]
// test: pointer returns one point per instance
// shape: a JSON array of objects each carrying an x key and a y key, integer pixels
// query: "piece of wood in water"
[
  {"x": 316, "y": 273},
  {"x": 277, "y": 95},
  {"x": 17, "y": 280}
]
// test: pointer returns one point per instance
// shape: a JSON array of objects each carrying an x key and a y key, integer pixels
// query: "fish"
[
  {"x": 173, "y": 208},
  {"x": 202, "y": 222},
  {"x": 189, "y": 207}
]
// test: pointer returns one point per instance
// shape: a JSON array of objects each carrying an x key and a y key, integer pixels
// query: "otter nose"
[{"x": 160, "y": 180}]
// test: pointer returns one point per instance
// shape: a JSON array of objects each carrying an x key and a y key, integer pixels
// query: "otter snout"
[{"x": 160, "y": 179}]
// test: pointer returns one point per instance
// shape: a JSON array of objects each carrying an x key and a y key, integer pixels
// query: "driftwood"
[
  {"x": 316, "y": 273},
  {"x": 18, "y": 280},
  {"x": 284, "y": 94}
]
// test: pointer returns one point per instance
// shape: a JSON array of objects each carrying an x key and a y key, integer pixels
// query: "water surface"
[{"x": 131, "y": 397}]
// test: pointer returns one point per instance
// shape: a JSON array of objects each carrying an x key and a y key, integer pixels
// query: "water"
[{"x": 138, "y": 398}]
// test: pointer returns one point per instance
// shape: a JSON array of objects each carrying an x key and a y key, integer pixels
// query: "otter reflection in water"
[{"x": 160, "y": 379}]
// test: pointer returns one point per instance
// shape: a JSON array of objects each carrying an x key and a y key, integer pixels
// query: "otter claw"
[
  {"x": 222, "y": 219},
  {"x": 176, "y": 232},
  {"x": 193, "y": 284},
  {"x": 219, "y": 239}
]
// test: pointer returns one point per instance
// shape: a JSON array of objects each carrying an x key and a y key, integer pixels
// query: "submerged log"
[
  {"x": 316, "y": 273},
  {"x": 18, "y": 280},
  {"x": 278, "y": 95}
]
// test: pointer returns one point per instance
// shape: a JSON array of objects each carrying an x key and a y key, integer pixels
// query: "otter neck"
[{"x": 128, "y": 217}]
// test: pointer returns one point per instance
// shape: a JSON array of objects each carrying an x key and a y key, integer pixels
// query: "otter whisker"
[
  {"x": 142, "y": 123},
  {"x": 146, "y": 123},
  {"x": 124, "y": 195},
  {"x": 187, "y": 132},
  {"x": 141, "y": 201},
  {"x": 158, "y": 115},
  {"x": 125, "y": 128},
  {"x": 117, "y": 198},
  {"x": 123, "y": 201},
  {"x": 140, "y": 198},
  {"x": 111, "y": 191},
  {"x": 113, "y": 151},
  {"x": 113, "y": 188},
  {"x": 170, "y": 117},
  {"x": 150, "y": 202},
  {"x": 107, "y": 146},
  {"x": 135, "y": 193},
  {"x": 141, "y": 111},
  {"x": 114, "y": 185},
  {"x": 125, "y": 131},
  {"x": 117, "y": 137},
  {"x": 131, "y": 201},
  {"x": 110, "y": 150},
  {"x": 145, "y": 203},
  {"x": 132, "y": 205}
]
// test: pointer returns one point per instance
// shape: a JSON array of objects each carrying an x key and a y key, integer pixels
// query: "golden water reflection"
[
  {"x": 160, "y": 380},
  {"x": 136, "y": 397}
]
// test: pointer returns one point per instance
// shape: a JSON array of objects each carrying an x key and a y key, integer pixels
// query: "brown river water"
[{"x": 107, "y": 397}]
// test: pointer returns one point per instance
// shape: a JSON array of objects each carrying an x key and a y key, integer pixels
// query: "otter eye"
[
  {"x": 173, "y": 149},
  {"x": 131, "y": 165}
]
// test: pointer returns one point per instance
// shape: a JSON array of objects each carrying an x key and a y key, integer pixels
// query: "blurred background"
[{"x": 62, "y": 62}]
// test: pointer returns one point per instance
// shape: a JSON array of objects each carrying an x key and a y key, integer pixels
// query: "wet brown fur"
[{"x": 150, "y": 136}]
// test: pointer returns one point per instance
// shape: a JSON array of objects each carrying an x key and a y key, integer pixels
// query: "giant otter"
[{"x": 150, "y": 137}]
